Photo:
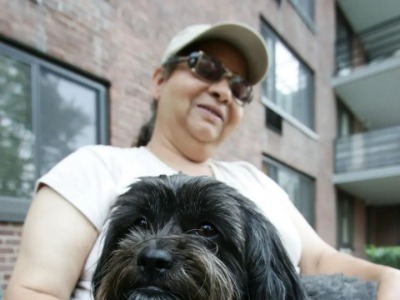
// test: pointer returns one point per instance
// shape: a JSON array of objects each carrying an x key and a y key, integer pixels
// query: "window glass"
[
  {"x": 298, "y": 186},
  {"x": 273, "y": 120},
  {"x": 307, "y": 6},
  {"x": 289, "y": 83},
  {"x": 17, "y": 170},
  {"x": 343, "y": 45},
  {"x": 46, "y": 113},
  {"x": 305, "y": 9},
  {"x": 345, "y": 121},
  {"x": 345, "y": 222},
  {"x": 67, "y": 118}
]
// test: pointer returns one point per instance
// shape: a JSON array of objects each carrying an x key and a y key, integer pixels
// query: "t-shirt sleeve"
[{"x": 87, "y": 181}]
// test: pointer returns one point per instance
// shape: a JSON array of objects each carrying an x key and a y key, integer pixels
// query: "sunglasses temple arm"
[{"x": 175, "y": 60}]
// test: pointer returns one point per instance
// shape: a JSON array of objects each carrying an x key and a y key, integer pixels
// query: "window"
[
  {"x": 345, "y": 220},
  {"x": 273, "y": 120},
  {"x": 46, "y": 113},
  {"x": 343, "y": 45},
  {"x": 345, "y": 121},
  {"x": 300, "y": 188},
  {"x": 305, "y": 9},
  {"x": 288, "y": 86}
]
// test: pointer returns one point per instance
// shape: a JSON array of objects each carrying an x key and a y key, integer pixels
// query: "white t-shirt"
[{"x": 93, "y": 177}]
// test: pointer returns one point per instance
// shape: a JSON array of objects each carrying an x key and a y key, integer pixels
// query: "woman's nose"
[{"x": 221, "y": 90}]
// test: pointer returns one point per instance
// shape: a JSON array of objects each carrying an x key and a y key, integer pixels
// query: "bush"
[{"x": 388, "y": 256}]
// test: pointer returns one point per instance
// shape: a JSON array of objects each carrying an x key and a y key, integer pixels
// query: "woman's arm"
[
  {"x": 320, "y": 258},
  {"x": 55, "y": 243},
  {"x": 388, "y": 278}
]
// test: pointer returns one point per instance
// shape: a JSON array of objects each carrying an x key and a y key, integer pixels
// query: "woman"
[{"x": 200, "y": 91}]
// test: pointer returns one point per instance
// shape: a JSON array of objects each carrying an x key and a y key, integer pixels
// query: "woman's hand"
[
  {"x": 387, "y": 278},
  {"x": 389, "y": 285},
  {"x": 320, "y": 258}
]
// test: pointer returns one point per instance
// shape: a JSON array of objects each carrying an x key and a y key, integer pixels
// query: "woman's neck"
[{"x": 192, "y": 160}]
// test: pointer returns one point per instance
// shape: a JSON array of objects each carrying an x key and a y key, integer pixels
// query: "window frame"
[
  {"x": 280, "y": 165},
  {"x": 341, "y": 198},
  {"x": 347, "y": 40},
  {"x": 268, "y": 32},
  {"x": 273, "y": 121},
  {"x": 308, "y": 20},
  {"x": 15, "y": 209},
  {"x": 343, "y": 111}
]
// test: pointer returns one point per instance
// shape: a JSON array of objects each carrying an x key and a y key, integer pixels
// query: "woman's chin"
[
  {"x": 207, "y": 136},
  {"x": 206, "y": 133}
]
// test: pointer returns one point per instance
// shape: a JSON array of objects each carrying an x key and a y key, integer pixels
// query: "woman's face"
[{"x": 191, "y": 107}]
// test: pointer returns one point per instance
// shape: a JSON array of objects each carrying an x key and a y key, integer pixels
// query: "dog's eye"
[
  {"x": 207, "y": 230},
  {"x": 141, "y": 223}
]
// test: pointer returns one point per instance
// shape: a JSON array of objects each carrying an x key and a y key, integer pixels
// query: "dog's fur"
[{"x": 180, "y": 237}]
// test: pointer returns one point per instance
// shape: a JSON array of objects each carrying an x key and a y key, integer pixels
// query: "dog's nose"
[{"x": 154, "y": 261}]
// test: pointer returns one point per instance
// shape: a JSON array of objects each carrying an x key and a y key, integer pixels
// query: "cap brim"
[{"x": 249, "y": 42}]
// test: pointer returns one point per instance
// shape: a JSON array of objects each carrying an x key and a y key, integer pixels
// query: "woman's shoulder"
[
  {"x": 109, "y": 156},
  {"x": 106, "y": 151},
  {"x": 97, "y": 164},
  {"x": 245, "y": 172}
]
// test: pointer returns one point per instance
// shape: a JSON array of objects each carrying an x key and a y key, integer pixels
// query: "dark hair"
[{"x": 146, "y": 130}]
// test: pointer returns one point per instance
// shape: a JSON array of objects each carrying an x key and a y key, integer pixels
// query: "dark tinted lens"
[
  {"x": 209, "y": 68},
  {"x": 240, "y": 89}
]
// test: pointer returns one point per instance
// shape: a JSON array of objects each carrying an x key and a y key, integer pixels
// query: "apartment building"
[
  {"x": 74, "y": 73},
  {"x": 367, "y": 147}
]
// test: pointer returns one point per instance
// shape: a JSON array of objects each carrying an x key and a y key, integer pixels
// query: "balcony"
[
  {"x": 364, "y": 14},
  {"x": 367, "y": 165},
  {"x": 372, "y": 93},
  {"x": 368, "y": 62}
]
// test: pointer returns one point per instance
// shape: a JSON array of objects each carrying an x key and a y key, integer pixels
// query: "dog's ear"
[
  {"x": 117, "y": 227},
  {"x": 270, "y": 273},
  {"x": 110, "y": 241}
]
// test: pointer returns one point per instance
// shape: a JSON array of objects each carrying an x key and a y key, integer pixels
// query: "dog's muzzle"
[
  {"x": 154, "y": 262},
  {"x": 151, "y": 293}
]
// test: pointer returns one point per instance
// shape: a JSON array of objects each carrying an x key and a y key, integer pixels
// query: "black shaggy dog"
[{"x": 180, "y": 237}]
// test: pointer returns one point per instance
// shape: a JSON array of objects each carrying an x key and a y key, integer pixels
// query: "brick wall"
[
  {"x": 121, "y": 42},
  {"x": 9, "y": 240}
]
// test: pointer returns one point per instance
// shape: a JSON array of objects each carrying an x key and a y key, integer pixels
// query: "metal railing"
[
  {"x": 375, "y": 43},
  {"x": 369, "y": 150}
]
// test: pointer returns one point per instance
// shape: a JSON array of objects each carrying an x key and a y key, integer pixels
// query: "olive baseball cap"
[{"x": 245, "y": 39}]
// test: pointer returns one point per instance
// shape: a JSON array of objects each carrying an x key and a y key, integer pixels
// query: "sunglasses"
[{"x": 212, "y": 70}]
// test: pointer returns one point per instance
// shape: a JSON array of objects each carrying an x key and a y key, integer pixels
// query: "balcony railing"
[
  {"x": 370, "y": 45},
  {"x": 370, "y": 150}
]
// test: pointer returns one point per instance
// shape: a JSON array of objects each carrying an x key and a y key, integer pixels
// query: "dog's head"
[{"x": 182, "y": 237}]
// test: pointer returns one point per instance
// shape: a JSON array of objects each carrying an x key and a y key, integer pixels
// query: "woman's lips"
[{"x": 212, "y": 110}]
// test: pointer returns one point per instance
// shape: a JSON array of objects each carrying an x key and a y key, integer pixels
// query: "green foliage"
[{"x": 388, "y": 256}]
